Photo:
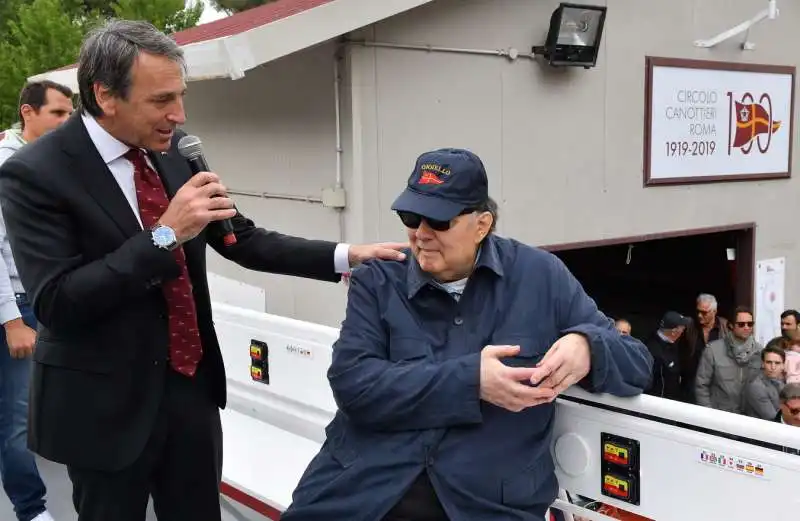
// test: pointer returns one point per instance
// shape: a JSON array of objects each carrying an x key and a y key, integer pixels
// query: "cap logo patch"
[
  {"x": 429, "y": 178},
  {"x": 431, "y": 174}
]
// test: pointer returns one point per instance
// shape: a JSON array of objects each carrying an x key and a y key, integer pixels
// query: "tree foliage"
[
  {"x": 41, "y": 35},
  {"x": 168, "y": 15},
  {"x": 237, "y": 6}
]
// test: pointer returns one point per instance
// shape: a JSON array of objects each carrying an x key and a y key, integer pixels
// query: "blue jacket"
[{"x": 405, "y": 375}]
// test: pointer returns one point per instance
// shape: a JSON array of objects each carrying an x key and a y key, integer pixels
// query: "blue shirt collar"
[{"x": 488, "y": 258}]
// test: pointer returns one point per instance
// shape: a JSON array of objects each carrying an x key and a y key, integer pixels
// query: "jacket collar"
[
  {"x": 487, "y": 258},
  {"x": 92, "y": 148}
]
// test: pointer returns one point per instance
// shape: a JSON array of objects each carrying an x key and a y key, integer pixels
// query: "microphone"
[{"x": 191, "y": 148}]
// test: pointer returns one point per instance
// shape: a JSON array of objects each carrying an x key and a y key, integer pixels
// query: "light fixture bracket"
[{"x": 770, "y": 13}]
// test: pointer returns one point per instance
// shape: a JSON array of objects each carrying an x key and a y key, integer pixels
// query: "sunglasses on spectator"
[
  {"x": 414, "y": 220},
  {"x": 744, "y": 324},
  {"x": 794, "y": 412}
]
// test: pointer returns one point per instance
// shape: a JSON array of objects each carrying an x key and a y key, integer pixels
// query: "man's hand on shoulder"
[
  {"x": 359, "y": 253},
  {"x": 567, "y": 362}
]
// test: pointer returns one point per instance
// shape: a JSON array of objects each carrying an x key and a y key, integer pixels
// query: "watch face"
[{"x": 163, "y": 236}]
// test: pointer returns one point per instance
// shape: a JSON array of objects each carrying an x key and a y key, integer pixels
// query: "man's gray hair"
[
  {"x": 109, "y": 52},
  {"x": 790, "y": 392},
  {"x": 709, "y": 299}
]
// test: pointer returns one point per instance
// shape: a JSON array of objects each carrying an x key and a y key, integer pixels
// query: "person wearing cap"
[
  {"x": 448, "y": 363},
  {"x": 667, "y": 374}
]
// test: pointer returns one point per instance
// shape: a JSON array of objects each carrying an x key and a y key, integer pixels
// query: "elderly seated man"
[{"x": 448, "y": 363}]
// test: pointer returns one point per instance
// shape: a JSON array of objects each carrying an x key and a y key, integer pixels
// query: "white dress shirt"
[{"x": 113, "y": 151}]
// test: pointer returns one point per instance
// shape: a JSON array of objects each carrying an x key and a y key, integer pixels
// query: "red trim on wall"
[{"x": 249, "y": 501}]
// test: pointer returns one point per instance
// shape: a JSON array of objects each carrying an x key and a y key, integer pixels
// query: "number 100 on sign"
[{"x": 690, "y": 148}]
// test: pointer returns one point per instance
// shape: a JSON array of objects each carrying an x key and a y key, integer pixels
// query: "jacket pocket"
[
  {"x": 535, "y": 485},
  {"x": 69, "y": 357},
  {"x": 531, "y": 349},
  {"x": 341, "y": 451},
  {"x": 409, "y": 348}
]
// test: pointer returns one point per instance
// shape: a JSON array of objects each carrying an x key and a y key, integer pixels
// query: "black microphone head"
[{"x": 190, "y": 147}]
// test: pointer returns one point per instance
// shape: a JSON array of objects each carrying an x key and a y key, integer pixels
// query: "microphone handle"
[{"x": 198, "y": 164}]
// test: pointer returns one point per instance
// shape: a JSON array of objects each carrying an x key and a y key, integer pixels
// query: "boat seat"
[{"x": 262, "y": 464}]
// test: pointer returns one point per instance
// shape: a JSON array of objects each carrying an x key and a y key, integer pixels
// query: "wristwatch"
[{"x": 164, "y": 237}]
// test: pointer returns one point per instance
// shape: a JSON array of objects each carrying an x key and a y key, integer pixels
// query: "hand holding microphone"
[
  {"x": 191, "y": 148},
  {"x": 201, "y": 201}
]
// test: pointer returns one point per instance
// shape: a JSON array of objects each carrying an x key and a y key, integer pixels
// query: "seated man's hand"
[
  {"x": 358, "y": 253},
  {"x": 509, "y": 387},
  {"x": 566, "y": 363}
]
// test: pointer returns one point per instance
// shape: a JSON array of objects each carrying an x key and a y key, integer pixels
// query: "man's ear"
[
  {"x": 26, "y": 111},
  {"x": 106, "y": 100},
  {"x": 485, "y": 221}
]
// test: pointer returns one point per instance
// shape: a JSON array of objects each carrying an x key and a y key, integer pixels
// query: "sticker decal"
[{"x": 729, "y": 462}]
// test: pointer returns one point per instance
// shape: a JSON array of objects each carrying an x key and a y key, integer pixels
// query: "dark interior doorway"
[{"x": 640, "y": 278}]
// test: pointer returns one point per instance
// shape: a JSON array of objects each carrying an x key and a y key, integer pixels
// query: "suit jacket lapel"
[
  {"x": 169, "y": 170},
  {"x": 93, "y": 172}
]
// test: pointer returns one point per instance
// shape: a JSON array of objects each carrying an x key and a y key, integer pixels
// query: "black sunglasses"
[{"x": 414, "y": 220}]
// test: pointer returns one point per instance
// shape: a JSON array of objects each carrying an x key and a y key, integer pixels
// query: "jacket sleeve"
[
  {"x": 757, "y": 399},
  {"x": 621, "y": 364},
  {"x": 8, "y": 302},
  {"x": 705, "y": 374},
  {"x": 384, "y": 395},
  {"x": 272, "y": 252},
  {"x": 68, "y": 291}
]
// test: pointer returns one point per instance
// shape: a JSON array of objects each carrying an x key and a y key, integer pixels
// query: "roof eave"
[
  {"x": 232, "y": 56},
  {"x": 284, "y": 37}
]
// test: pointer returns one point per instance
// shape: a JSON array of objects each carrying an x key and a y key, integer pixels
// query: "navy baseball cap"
[
  {"x": 444, "y": 183},
  {"x": 673, "y": 319}
]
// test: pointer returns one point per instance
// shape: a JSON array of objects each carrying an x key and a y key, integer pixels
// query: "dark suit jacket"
[
  {"x": 94, "y": 277},
  {"x": 691, "y": 347}
]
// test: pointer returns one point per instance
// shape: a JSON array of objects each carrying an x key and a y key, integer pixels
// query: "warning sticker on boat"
[{"x": 732, "y": 463}]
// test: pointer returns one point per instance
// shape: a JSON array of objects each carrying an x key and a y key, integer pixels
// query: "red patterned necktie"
[{"x": 185, "y": 348}]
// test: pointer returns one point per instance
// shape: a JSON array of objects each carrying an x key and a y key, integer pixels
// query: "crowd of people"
[{"x": 715, "y": 362}]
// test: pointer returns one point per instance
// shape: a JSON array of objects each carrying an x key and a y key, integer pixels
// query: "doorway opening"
[{"x": 640, "y": 278}]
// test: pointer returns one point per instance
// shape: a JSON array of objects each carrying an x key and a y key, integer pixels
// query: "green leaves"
[
  {"x": 42, "y": 37},
  {"x": 168, "y": 15},
  {"x": 237, "y": 6}
]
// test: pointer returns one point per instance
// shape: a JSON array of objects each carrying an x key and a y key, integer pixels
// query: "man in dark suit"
[{"x": 109, "y": 229}]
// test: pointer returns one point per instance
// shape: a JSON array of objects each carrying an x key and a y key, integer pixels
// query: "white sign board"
[
  {"x": 712, "y": 121},
  {"x": 770, "y": 279}
]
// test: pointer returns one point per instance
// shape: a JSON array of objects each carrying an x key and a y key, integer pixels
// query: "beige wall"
[
  {"x": 564, "y": 148},
  {"x": 274, "y": 131}
]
